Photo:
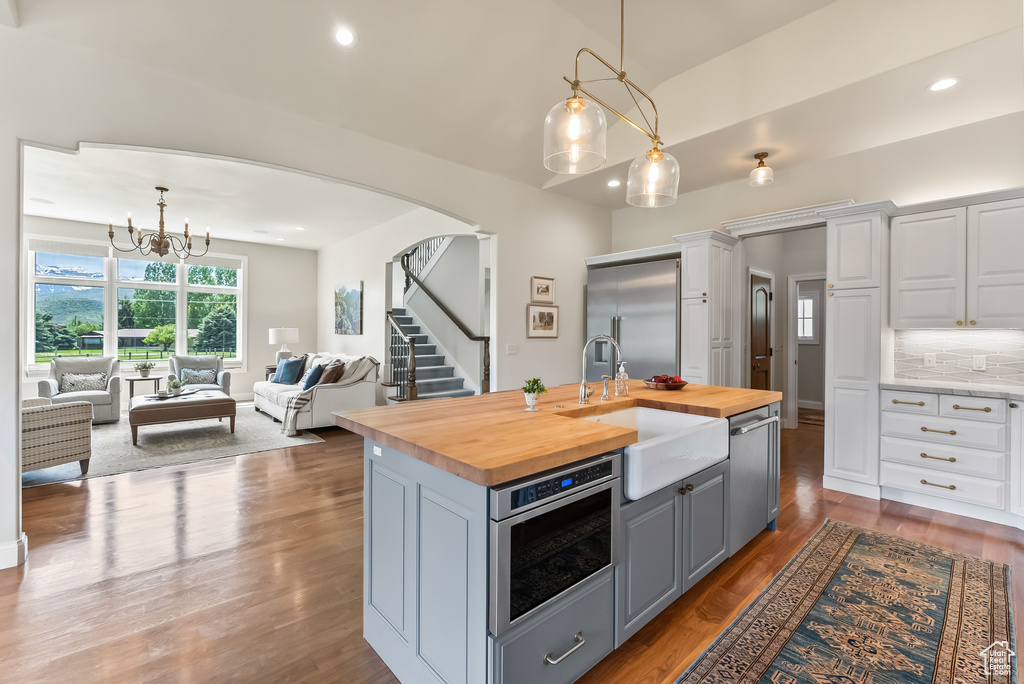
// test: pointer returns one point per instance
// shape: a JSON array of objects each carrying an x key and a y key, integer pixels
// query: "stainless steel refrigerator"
[{"x": 638, "y": 305}]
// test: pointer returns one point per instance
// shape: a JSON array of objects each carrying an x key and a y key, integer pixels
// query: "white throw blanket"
[{"x": 355, "y": 371}]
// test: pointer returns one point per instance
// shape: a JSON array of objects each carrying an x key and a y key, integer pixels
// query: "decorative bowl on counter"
[{"x": 666, "y": 385}]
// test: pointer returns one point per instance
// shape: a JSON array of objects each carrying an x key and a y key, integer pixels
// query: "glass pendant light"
[
  {"x": 761, "y": 175},
  {"x": 575, "y": 133},
  {"x": 653, "y": 180}
]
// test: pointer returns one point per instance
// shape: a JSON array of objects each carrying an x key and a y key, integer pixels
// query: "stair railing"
[
  {"x": 419, "y": 256},
  {"x": 485, "y": 381},
  {"x": 403, "y": 361}
]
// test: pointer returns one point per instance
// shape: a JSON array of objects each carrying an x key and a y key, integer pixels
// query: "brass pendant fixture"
[
  {"x": 160, "y": 242},
  {"x": 761, "y": 175},
  {"x": 575, "y": 135}
]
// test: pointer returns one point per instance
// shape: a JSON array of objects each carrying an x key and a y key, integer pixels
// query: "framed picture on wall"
[
  {"x": 542, "y": 290},
  {"x": 348, "y": 309},
  {"x": 541, "y": 321}
]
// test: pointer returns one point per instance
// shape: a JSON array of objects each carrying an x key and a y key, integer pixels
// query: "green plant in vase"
[
  {"x": 531, "y": 389},
  {"x": 174, "y": 386},
  {"x": 143, "y": 368}
]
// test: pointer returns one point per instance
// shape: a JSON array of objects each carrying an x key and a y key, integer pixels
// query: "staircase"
[{"x": 434, "y": 379}]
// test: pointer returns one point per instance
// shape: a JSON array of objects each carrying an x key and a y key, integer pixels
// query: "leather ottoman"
[{"x": 198, "y": 405}]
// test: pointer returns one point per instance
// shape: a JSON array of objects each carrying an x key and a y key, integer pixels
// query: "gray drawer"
[
  {"x": 973, "y": 408},
  {"x": 518, "y": 656},
  {"x": 920, "y": 403}
]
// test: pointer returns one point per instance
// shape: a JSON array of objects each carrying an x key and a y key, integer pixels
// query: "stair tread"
[{"x": 450, "y": 393}]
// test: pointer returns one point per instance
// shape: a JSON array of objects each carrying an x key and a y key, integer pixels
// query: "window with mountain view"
[{"x": 149, "y": 298}]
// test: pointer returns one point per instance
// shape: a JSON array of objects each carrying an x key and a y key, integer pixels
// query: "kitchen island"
[{"x": 431, "y": 472}]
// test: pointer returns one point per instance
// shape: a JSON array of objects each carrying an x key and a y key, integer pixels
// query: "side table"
[
  {"x": 131, "y": 380},
  {"x": 271, "y": 369}
]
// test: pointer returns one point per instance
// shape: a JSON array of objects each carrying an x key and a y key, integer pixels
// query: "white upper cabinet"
[
  {"x": 695, "y": 281},
  {"x": 959, "y": 267},
  {"x": 854, "y": 257},
  {"x": 995, "y": 265},
  {"x": 929, "y": 269}
]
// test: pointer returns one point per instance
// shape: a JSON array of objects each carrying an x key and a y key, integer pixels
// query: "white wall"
[
  {"x": 61, "y": 95},
  {"x": 810, "y": 389},
  {"x": 280, "y": 292},
  {"x": 960, "y": 161}
]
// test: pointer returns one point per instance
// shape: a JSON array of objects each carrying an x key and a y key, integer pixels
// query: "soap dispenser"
[{"x": 621, "y": 381}]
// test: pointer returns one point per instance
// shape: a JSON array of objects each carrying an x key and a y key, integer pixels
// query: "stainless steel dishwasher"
[{"x": 754, "y": 443}]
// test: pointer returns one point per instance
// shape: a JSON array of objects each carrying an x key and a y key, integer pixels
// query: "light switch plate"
[
  {"x": 978, "y": 362},
  {"x": 376, "y": 451},
  {"x": 929, "y": 360},
  {"x": 511, "y": 349}
]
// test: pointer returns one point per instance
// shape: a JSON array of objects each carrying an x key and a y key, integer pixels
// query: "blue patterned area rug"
[{"x": 856, "y": 606}]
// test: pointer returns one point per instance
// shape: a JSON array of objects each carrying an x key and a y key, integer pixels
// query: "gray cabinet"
[
  {"x": 424, "y": 569},
  {"x": 705, "y": 522},
  {"x": 649, "y": 575},
  {"x": 561, "y": 642},
  {"x": 754, "y": 439}
]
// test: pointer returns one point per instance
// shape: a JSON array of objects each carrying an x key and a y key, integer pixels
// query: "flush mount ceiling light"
[
  {"x": 159, "y": 243},
  {"x": 614, "y": 183},
  {"x": 761, "y": 175},
  {"x": 346, "y": 36},
  {"x": 575, "y": 133},
  {"x": 943, "y": 84}
]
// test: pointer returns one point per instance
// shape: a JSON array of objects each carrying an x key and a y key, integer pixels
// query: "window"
[
  {"x": 88, "y": 303},
  {"x": 807, "y": 318}
]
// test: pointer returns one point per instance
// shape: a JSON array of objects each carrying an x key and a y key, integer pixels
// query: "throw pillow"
[
  {"x": 83, "y": 382},
  {"x": 313, "y": 376},
  {"x": 199, "y": 376},
  {"x": 288, "y": 371},
  {"x": 332, "y": 373}
]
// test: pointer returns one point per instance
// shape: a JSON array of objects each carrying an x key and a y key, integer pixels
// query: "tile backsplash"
[{"x": 953, "y": 349}]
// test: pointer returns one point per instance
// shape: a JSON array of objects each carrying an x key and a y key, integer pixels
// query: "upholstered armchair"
[
  {"x": 95, "y": 379},
  {"x": 191, "y": 369},
  {"x": 53, "y": 434}
]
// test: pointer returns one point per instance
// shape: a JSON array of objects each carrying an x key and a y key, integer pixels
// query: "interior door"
[{"x": 760, "y": 333}]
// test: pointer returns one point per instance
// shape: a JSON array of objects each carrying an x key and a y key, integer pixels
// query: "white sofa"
[{"x": 312, "y": 408}]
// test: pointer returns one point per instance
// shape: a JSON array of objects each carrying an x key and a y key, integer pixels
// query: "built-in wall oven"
[{"x": 550, "y": 533}]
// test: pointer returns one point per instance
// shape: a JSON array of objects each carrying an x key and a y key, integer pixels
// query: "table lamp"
[{"x": 284, "y": 337}]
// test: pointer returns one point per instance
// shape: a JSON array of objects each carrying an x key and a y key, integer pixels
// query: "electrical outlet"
[
  {"x": 978, "y": 362},
  {"x": 929, "y": 360},
  {"x": 511, "y": 349}
]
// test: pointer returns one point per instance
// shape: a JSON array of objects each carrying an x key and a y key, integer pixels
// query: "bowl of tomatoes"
[{"x": 666, "y": 382}]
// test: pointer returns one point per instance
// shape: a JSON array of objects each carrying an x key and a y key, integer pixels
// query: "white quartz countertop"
[{"x": 956, "y": 388}]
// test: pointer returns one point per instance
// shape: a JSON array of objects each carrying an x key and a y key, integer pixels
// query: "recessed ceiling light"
[
  {"x": 614, "y": 183},
  {"x": 299, "y": 228},
  {"x": 40, "y": 200},
  {"x": 260, "y": 232},
  {"x": 942, "y": 84},
  {"x": 346, "y": 36},
  {"x": 280, "y": 239}
]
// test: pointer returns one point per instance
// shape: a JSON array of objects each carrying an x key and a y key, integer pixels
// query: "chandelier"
[
  {"x": 159, "y": 242},
  {"x": 575, "y": 133}
]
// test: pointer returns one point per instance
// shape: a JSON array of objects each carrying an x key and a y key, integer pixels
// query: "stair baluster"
[{"x": 403, "y": 361}]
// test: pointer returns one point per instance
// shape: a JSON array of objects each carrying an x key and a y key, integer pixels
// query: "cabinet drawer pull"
[
  {"x": 578, "y": 638},
  {"x": 909, "y": 403},
  {"x": 687, "y": 488},
  {"x": 930, "y": 484},
  {"x": 958, "y": 407},
  {"x": 951, "y": 459},
  {"x": 941, "y": 432}
]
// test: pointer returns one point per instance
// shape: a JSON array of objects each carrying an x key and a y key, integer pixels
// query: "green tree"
[
  {"x": 125, "y": 313},
  {"x": 80, "y": 329},
  {"x": 153, "y": 308},
  {"x": 160, "y": 272},
  {"x": 64, "y": 338},
  {"x": 217, "y": 330},
  {"x": 45, "y": 332},
  {"x": 209, "y": 275},
  {"x": 162, "y": 335}
]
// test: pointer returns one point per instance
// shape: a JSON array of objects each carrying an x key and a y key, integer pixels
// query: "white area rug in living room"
[{"x": 172, "y": 444}]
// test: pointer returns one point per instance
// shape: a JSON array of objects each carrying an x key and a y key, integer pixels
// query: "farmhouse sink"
[{"x": 671, "y": 446}]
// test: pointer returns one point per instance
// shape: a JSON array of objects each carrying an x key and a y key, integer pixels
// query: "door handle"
[
  {"x": 941, "y": 432},
  {"x": 958, "y": 407},
  {"x": 932, "y": 484},
  {"x": 754, "y": 426},
  {"x": 580, "y": 641}
]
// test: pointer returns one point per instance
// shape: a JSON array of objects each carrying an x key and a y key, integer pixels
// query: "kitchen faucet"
[{"x": 585, "y": 390}]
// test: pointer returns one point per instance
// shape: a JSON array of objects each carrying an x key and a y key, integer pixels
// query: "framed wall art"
[
  {"x": 541, "y": 321},
  {"x": 542, "y": 290},
  {"x": 348, "y": 309}
]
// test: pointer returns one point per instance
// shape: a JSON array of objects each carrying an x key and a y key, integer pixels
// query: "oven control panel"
[{"x": 564, "y": 482}]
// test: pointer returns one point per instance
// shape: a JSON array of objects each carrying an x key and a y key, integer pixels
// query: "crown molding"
[{"x": 793, "y": 219}]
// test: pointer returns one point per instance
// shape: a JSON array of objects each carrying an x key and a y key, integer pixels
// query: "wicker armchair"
[{"x": 53, "y": 434}]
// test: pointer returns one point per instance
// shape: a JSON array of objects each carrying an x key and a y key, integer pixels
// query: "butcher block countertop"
[{"x": 490, "y": 439}]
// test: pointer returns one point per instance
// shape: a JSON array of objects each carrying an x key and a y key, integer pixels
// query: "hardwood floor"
[{"x": 250, "y": 569}]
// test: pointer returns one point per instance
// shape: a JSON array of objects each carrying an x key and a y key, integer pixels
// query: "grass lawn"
[{"x": 125, "y": 354}]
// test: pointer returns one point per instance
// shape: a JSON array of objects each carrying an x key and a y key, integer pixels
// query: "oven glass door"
[{"x": 559, "y": 547}]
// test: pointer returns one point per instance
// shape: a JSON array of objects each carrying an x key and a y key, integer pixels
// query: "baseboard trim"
[
  {"x": 859, "y": 488},
  {"x": 804, "y": 403},
  {"x": 956, "y": 507},
  {"x": 14, "y": 553}
]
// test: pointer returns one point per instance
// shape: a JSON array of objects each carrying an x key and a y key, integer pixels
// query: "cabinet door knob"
[
  {"x": 959, "y": 322},
  {"x": 703, "y": 294},
  {"x": 974, "y": 322},
  {"x": 831, "y": 293},
  {"x": 687, "y": 488}
]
